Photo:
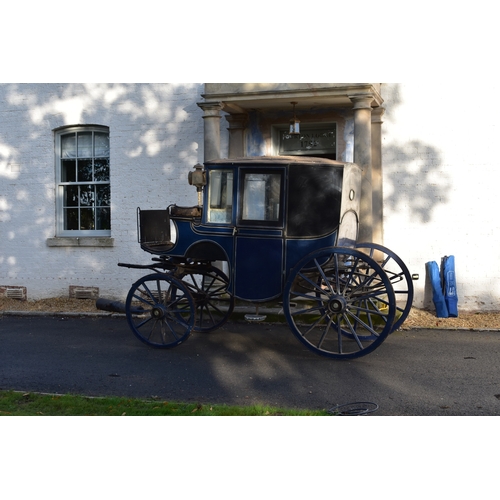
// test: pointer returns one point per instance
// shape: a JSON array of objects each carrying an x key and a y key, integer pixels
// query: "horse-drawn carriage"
[{"x": 269, "y": 229}]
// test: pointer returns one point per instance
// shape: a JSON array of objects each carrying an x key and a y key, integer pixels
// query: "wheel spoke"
[{"x": 352, "y": 330}]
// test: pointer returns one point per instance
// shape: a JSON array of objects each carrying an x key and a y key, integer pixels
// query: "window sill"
[{"x": 84, "y": 241}]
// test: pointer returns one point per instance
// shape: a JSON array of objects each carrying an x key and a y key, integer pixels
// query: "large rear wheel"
[{"x": 339, "y": 303}]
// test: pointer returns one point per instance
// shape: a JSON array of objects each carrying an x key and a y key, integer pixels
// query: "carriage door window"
[
  {"x": 220, "y": 196},
  {"x": 260, "y": 201}
]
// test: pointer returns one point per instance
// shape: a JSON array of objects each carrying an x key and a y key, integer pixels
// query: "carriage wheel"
[
  {"x": 399, "y": 277},
  {"x": 343, "y": 303},
  {"x": 213, "y": 304},
  {"x": 160, "y": 310}
]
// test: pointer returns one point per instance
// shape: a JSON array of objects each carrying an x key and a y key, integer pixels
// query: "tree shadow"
[
  {"x": 416, "y": 181},
  {"x": 413, "y": 177}
]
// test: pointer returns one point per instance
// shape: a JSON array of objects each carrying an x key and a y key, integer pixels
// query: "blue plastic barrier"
[
  {"x": 437, "y": 291},
  {"x": 449, "y": 285}
]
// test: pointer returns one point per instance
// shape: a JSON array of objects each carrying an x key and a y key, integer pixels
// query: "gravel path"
[{"x": 417, "y": 318}]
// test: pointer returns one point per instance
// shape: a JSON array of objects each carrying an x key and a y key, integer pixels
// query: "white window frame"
[{"x": 60, "y": 230}]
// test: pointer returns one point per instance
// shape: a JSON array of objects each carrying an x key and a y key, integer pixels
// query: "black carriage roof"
[{"x": 256, "y": 161}]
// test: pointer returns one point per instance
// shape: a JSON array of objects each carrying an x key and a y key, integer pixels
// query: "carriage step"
[{"x": 255, "y": 317}]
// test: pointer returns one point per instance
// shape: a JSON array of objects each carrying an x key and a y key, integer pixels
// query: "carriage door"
[{"x": 259, "y": 234}]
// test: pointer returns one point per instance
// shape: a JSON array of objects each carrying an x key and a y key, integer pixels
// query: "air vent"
[
  {"x": 13, "y": 292},
  {"x": 83, "y": 292}
]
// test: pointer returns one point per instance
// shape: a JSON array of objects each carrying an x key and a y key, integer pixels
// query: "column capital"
[
  {"x": 362, "y": 101},
  {"x": 237, "y": 120},
  {"x": 377, "y": 114},
  {"x": 211, "y": 109}
]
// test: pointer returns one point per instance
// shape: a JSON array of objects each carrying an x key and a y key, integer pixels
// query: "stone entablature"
[{"x": 238, "y": 97}]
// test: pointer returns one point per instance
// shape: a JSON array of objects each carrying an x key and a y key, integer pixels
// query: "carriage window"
[
  {"x": 261, "y": 194},
  {"x": 220, "y": 195}
]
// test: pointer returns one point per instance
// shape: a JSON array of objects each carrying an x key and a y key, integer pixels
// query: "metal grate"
[
  {"x": 83, "y": 292},
  {"x": 14, "y": 293}
]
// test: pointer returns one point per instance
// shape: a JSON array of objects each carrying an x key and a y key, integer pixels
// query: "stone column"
[
  {"x": 363, "y": 158},
  {"x": 377, "y": 180},
  {"x": 211, "y": 121},
  {"x": 237, "y": 125}
]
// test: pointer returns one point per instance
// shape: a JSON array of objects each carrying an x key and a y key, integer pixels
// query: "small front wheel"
[
  {"x": 339, "y": 303},
  {"x": 160, "y": 310}
]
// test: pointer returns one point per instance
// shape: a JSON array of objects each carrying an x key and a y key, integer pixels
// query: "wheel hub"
[
  {"x": 158, "y": 312},
  {"x": 337, "y": 304}
]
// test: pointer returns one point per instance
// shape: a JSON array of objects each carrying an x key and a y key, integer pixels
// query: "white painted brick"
[{"x": 440, "y": 180}]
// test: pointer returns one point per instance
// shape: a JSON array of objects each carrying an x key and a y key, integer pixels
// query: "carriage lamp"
[
  {"x": 294, "y": 123},
  {"x": 198, "y": 179}
]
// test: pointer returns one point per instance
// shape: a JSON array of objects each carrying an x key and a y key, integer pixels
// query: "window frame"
[
  {"x": 60, "y": 184},
  {"x": 228, "y": 209},
  {"x": 270, "y": 223}
]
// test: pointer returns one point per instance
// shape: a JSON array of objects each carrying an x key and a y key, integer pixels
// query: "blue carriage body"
[
  {"x": 268, "y": 228},
  {"x": 260, "y": 216}
]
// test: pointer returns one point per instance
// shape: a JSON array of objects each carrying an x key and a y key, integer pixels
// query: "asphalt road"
[{"x": 418, "y": 372}]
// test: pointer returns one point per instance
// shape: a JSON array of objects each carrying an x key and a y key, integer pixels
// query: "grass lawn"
[{"x": 32, "y": 404}]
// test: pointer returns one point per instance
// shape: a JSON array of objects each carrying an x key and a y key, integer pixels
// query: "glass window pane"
[
  {"x": 68, "y": 146},
  {"x": 86, "y": 196},
  {"x": 71, "y": 196},
  {"x": 71, "y": 219},
  {"x": 103, "y": 219},
  {"x": 84, "y": 170},
  {"x": 220, "y": 196},
  {"x": 84, "y": 144},
  {"x": 101, "y": 146},
  {"x": 68, "y": 171},
  {"x": 261, "y": 197},
  {"x": 101, "y": 169},
  {"x": 103, "y": 196},
  {"x": 87, "y": 219}
]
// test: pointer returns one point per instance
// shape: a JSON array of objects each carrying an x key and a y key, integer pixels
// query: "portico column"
[
  {"x": 377, "y": 179},
  {"x": 211, "y": 121},
  {"x": 237, "y": 124},
  {"x": 363, "y": 158}
]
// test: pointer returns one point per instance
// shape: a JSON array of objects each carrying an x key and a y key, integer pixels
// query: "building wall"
[
  {"x": 439, "y": 168},
  {"x": 156, "y": 136},
  {"x": 441, "y": 185}
]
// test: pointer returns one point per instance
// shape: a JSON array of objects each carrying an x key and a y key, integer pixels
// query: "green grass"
[{"x": 32, "y": 404}]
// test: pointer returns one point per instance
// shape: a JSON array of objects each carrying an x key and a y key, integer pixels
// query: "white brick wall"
[
  {"x": 156, "y": 135},
  {"x": 441, "y": 185},
  {"x": 440, "y": 180}
]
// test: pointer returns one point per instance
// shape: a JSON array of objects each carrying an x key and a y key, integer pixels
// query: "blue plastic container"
[
  {"x": 437, "y": 291},
  {"x": 449, "y": 285}
]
